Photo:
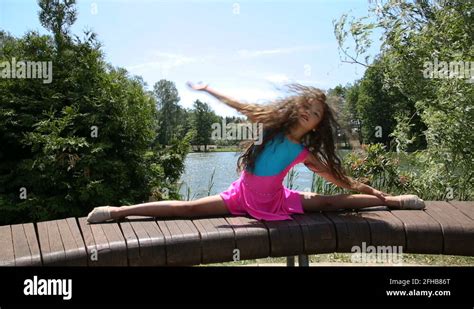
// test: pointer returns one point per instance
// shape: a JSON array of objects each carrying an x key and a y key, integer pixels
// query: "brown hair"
[{"x": 281, "y": 115}]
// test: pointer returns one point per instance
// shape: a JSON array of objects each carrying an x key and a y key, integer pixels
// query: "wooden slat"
[
  {"x": 458, "y": 229},
  {"x": 183, "y": 244},
  {"x": 319, "y": 233},
  {"x": 24, "y": 255},
  {"x": 105, "y": 244},
  {"x": 133, "y": 243},
  {"x": 7, "y": 253},
  {"x": 217, "y": 240},
  {"x": 351, "y": 230},
  {"x": 73, "y": 243},
  {"x": 423, "y": 233},
  {"x": 145, "y": 242},
  {"x": 251, "y": 237},
  {"x": 286, "y": 238},
  {"x": 32, "y": 239},
  {"x": 20, "y": 245},
  {"x": 465, "y": 207},
  {"x": 61, "y": 243},
  {"x": 385, "y": 228},
  {"x": 52, "y": 248}
]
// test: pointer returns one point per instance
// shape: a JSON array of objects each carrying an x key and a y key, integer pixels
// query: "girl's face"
[{"x": 310, "y": 114}]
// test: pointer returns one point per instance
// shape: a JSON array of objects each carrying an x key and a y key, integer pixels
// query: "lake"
[{"x": 199, "y": 167}]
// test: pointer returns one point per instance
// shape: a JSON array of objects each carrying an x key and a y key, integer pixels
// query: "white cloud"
[
  {"x": 163, "y": 62},
  {"x": 277, "y": 78},
  {"x": 245, "y": 53}
]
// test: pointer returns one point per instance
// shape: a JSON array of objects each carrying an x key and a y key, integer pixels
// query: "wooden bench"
[{"x": 442, "y": 228}]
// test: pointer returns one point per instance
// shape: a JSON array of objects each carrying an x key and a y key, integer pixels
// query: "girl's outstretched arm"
[
  {"x": 315, "y": 165},
  {"x": 239, "y": 106}
]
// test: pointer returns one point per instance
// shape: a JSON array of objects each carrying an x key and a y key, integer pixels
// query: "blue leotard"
[{"x": 277, "y": 154}]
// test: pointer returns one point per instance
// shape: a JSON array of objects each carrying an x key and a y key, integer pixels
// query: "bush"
[{"x": 84, "y": 140}]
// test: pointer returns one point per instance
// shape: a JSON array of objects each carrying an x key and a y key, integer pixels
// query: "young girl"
[{"x": 297, "y": 129}]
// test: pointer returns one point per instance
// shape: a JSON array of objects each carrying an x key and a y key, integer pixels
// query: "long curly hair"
[{"x": 281, "y": 115}]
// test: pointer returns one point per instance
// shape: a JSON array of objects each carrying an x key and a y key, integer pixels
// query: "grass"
[{"x": 345, "y": 258}]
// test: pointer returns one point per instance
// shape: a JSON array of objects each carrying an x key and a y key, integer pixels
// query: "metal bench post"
[
  {"x": 290, "y": 261},
  {"x": 303, "y": 260}
]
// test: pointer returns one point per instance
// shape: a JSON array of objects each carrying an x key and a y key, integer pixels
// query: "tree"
[
  {"x": 375, "y": 107},
  {"x": 167, "y": 99},
  {"x": 335, "y": 98},
  {"x": 81, "y": 141},
  {"x": 204, "y": 117},
  {"x": 57, "y": 16},
  {"x": 416, "y": 36}
]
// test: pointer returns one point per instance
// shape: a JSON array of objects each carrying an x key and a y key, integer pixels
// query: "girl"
[{"x": 297, "y": 129}]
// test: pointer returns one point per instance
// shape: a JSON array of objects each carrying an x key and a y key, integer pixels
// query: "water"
[{"x": 199, "y": 167}]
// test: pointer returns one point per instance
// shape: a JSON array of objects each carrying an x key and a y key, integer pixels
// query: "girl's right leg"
[{"x": 207, "y": 206}]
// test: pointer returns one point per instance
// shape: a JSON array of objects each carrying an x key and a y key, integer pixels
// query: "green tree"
[
  {"x": 81, "y": 141},
  {"x": 203, "y": 119},
  {"x": 415, "y": 36},
  {"x": 167, "y": 100},
  {"x": 57, "y": 16},
  {"x": 375, "y": 107}
]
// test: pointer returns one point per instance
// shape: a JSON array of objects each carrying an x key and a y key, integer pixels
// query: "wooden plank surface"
[
  {"x": 52, "y": 248},
  {"x": 351, "y": 230},
  {"x": 183, "y": 243},
  {"x": 385, "y": 228},
  {"x": 458, "y": 229},
  {"x": 7, "y": 252},
  {"x": 466, "y": 207},
  {"x": 105, "y": 243},
  {"x": 26, "y": 250},
  {"x": 319, "y": 233},
  {"x": 74, "y": 248},
  {"x": 145, "y": 242},
  {"x": 217, "y": 240},
  {"x": 61, "y": 243},
  {"x": 442, "y": 228},
  {"x": 32, "y": 239},
  {"x": 423, "y": 233},
  {"x": 133, "y": 243},
  {"x": 251, "y": 237},
  {"x": 286, "y": 238}
]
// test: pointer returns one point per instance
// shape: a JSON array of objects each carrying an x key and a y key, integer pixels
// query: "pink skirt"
[{"x": 264, "y": 197}]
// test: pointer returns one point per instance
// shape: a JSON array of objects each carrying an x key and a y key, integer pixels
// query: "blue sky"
[{"x": 241, "y": 48}]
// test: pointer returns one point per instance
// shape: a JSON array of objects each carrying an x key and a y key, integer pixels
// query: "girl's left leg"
[{"x": 316, "y": 202}]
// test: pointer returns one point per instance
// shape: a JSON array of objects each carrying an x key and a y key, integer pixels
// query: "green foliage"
[
  {"x": 85, "y": 139},
  {"x": 414, "y": 36},
  {"x": 169, "y": 111},
  {"x": 375, "y": 167},
  {"x": 375, "y": 107},
  {"x": 400, "y": 173},
  {"x": 203, "y": 118}
]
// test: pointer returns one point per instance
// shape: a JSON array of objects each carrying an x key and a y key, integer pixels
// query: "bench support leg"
[
  {"x": 290, "y": 261},
  {"x": 303, "y": 260}
]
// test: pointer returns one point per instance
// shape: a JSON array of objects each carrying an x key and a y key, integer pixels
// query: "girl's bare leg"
[
  {"x": 206, "y": 206},
  {"x": 316, "y": 202}
]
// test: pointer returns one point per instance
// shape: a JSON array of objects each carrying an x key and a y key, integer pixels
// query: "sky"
[{"x": 243, "y": 49}]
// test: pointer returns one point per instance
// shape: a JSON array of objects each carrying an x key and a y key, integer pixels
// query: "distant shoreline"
[{"x": 224, "y": 149}]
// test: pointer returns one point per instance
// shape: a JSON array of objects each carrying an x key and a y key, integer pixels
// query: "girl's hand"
[
  {"x": 198, "y": 87},
  {"x": 381, "y": 195}
]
